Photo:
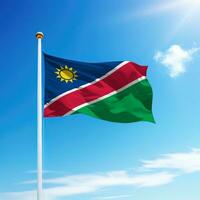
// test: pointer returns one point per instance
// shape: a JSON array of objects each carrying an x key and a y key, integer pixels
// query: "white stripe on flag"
[{"x": 106, "y": 96}]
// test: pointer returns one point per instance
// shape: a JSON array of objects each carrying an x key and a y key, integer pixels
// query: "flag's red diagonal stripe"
[{"x": 118, "y": 79}]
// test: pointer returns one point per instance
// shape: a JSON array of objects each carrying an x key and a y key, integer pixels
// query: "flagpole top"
[{"x": 39, "y": 35}]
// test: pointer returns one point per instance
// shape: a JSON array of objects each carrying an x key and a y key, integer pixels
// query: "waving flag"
[{"x": 112, "y": 91}]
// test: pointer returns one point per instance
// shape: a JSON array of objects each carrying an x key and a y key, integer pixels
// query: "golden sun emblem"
[{"x": 66, "y": 74}]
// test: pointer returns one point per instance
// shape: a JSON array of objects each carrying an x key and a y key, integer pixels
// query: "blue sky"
[{"x": 86, "y": 158}]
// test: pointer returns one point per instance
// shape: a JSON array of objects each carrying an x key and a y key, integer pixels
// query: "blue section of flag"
[{"x": 86, "y": 73}]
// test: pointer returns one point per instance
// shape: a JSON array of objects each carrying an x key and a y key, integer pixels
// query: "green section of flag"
[{"x": 129, "y": 105}]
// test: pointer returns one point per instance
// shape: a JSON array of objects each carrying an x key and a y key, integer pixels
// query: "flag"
[{"x": 112, "y": 91}]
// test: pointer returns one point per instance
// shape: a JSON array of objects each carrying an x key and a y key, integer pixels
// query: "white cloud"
[
  {"x": 110, "y": 179},
  {"x": 113, "y": 179},
  {"x": 112, "y": 197},
  {"x": 156, "y": 172},
  {"x": 185, "y": 162},
  {"x": 28, "y": 195},
  {"x": 89, "y": 183},
  {"x": 175, "y": 59}
]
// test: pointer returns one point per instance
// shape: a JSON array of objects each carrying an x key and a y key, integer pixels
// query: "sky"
[{"x": 84, "y": 157}]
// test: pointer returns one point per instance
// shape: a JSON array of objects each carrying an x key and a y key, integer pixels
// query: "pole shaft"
[{"x": 39, "y": 120}]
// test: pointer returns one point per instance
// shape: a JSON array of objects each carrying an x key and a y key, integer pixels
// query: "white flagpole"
[{"x": 39, "y": 36}]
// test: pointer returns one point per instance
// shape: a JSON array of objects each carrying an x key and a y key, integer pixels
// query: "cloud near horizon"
[
  {"x": 90, "y": 183},
  {"x": 175, "y": 59},
  {"x": 184, "y": 162},
  {"x": 161, "y": 172},
  {"x": 112, "y": 197}
]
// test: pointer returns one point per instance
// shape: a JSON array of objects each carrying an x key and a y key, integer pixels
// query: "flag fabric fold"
[{"x": 112, "y": 91}]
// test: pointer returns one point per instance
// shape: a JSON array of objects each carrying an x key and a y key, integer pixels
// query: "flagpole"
[{"x": 39, "y": 36}]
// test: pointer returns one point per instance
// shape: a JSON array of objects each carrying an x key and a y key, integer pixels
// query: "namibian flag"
[{"x": 112, "y": 91}]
